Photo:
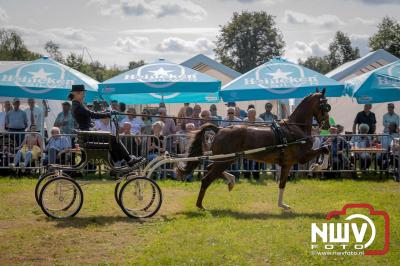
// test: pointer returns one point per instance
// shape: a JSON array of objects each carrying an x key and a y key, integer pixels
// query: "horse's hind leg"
[{"x": 214, "y": 172}]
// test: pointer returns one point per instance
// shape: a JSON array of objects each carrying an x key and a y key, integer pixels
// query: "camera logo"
[{"x": 354, "y": 234}]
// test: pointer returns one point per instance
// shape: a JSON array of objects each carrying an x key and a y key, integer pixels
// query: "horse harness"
[{"x": 282, "y": 141}]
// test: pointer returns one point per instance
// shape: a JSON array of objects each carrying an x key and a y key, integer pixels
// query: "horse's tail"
[{"x": 195, "y": 149}]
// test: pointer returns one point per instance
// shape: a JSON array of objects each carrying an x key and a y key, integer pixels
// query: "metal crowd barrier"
[
  {"x": 13, "y": 148},
  {"x": 348, "y": 154}
]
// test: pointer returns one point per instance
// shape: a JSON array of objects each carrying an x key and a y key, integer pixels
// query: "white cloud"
[
  {"x": 324, "y": 20},
  {"x": 268, "y": 2},
  {"x": 302, "y": 50},
  {"x": 67, "y": 38},
  {"x": 152, "y": 8},
  {"x": 380, "y": 2},
  {"x": 363, "y": 21},
  {"x": 3, "y": 15},
  {"x": 189, "y": 31},
  {"x": 178, "y": 45},
  {"x": 131, "y": 44}
]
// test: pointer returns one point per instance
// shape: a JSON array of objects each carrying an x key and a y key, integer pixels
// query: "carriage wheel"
[
  {"x": 119, "y": 185},
  {"x": 61, "y": 197},
  {"x": 140, "y": 197},
  {"x": 116, "y": 192},
  {"x": 42, "y": 180}
]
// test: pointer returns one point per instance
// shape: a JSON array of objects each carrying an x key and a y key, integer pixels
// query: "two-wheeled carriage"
[{"x": 60, "y": 196}]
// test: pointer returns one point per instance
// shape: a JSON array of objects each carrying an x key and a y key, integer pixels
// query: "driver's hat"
[{"x": 77, "y": 87}]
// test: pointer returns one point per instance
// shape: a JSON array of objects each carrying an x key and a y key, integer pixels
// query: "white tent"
[
  {"x": 54, "y": 106},
  {"x": 345, "y": 109}
]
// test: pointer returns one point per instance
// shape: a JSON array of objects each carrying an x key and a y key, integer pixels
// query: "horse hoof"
[
  {"x": 230, "y": 186},
  {"x": 201, "y": 208},
  {"x": 285, "y": 207}
]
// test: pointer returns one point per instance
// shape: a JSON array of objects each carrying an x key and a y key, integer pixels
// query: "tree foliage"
[
  {"x": 53, "y": 49},
  {"x": 249, "y": 40},
  {"x": 94, "y": 69},
  {"x": 317, "y": 63},
  {"x": 340, "y": 52},
  {"x": 12, "y": 47},
  {"x": 387, "y": 37},
  {"x": 135, "y": 64}
]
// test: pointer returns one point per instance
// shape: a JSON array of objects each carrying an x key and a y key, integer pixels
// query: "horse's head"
[{"x": 321, "y": 109}]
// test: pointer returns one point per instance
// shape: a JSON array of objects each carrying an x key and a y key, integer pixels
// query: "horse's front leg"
[{"x": 282, "y": 184}]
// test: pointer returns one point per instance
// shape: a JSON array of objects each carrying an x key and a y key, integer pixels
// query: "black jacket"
[{"x": 83, "y": 115}]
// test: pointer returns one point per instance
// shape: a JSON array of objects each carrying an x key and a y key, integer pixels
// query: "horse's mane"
[{"x": 306, "y": 100}]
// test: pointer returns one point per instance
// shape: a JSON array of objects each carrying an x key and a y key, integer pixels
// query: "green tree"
[
  {"x": 12, "y": 47},
  {"x": 341, "y": 51},
  {"x": 317, "y": 63},
  {"x": 249, "y": 40},
  {"x": 53, "y": 49},
  {"x": 387, "y": 37},
  {"x": 135, "y": 64}
]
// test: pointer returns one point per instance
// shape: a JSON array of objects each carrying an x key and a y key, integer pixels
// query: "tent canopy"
[
  {"x": 379, "y": 85},
  {"x": 159, "y": 77},
  {"x": 44, "y": 78},
  {"x": 177, "y": 97},
  {"x": 279, "y": 79}
]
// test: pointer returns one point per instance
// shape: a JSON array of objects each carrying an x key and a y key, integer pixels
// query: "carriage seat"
[{"x": 95, "y": 140}]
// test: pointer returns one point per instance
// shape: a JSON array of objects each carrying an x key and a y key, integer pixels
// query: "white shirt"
[
  {"x": 38, "y": 117},
  {"x": 100, "y": 126},
  {"x": 136, "y": 124},
  {"x": 258, "y": 120},
  {"x": 228, "y": 122}
]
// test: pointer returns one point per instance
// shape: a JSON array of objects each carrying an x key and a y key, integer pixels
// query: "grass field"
[{"x": 242, "y": 227}]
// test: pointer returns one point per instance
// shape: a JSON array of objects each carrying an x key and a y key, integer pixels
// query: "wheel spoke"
[{"x": 140, "y": 197}]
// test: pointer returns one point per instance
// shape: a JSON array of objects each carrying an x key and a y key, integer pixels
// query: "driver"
[{"x": 83, "y": 116}]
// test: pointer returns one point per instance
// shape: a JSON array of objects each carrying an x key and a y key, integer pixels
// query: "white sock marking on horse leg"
[
  {"x": 230, "y": 178},
  {"x": 280, "y": 200}
]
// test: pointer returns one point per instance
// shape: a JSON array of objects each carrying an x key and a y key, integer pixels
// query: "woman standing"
[{"x": 83, "y": 116}]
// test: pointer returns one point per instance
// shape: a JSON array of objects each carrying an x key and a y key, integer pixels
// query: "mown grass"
[{"x": 242, "y": 227}]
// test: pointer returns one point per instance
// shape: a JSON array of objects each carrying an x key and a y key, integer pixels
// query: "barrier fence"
[{"x": 351, "y": 153}]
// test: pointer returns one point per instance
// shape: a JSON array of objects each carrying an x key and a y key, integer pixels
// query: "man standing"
[
  {"x": 64, "y": 121},
  {"x": 169, "y": 124},
  {"x": 35, "y": 115},
  {"x": 16, "y": 121},
  {"x": 7, "y": 108},
  {"x": 366, "y": 117},
  {"x": 230, "y": 119},
  {"x": 196, "y": 120},
  {"x": 252, "y": 167},
  {"x": 169, "y": 128},
  {"x": 268, "y": 116},
  {"x": 214, "y": 113},
  {"x": 390, "y": 117},
  {"x": 242, "y": 113}
]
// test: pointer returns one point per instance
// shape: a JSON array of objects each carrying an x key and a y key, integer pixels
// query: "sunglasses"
[{"x": 231, "y": 113}]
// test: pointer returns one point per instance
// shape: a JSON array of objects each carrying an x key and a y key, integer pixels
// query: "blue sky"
[{"x": 118, "y": 31}]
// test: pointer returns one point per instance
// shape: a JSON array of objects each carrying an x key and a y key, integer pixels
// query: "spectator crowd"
[{"x": 26, "y": 125}]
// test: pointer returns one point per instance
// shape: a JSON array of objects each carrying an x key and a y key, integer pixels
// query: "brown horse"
[{"x": 240, "y": 138}]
